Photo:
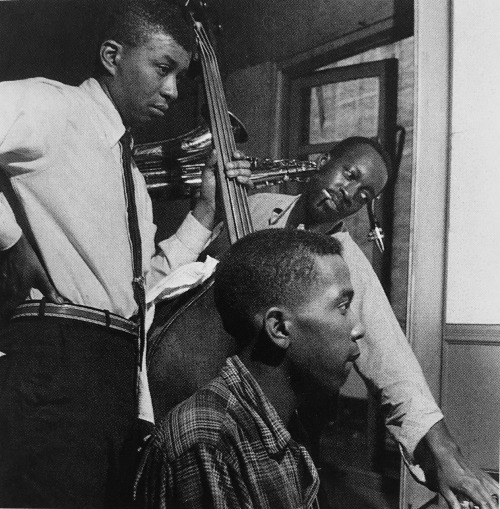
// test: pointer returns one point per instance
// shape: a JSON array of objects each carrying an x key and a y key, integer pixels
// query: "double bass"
[{"x": 187, "y": 344}]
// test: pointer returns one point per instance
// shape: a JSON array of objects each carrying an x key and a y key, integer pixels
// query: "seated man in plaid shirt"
[{"x": 285, "y": 296}]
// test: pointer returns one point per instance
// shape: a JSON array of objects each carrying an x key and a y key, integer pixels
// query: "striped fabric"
[{"x": 226, "y": 447}]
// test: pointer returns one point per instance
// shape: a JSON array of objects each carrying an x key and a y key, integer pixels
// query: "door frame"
[{"x": 428, "y": 222}]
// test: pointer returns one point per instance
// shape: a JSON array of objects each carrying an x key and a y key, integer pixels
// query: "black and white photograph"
[{"x": 245, "y": 254}]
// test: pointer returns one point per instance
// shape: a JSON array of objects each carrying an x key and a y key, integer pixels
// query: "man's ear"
[
  {"x": 110, "y": 54},
  {"x": 322, "y": 159},
  {"x": 277, "y": 327}
]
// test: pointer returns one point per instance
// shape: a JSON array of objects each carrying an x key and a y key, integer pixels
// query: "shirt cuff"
[
  {"x": 419, "y": 429},
  {"x": 192, "y": 234},
  {"x": 10, "y": 233},
  {"x": 407, "y": 453}
]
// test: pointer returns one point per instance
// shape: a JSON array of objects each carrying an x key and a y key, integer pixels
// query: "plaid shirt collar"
[{"x": 245, "y": 389}]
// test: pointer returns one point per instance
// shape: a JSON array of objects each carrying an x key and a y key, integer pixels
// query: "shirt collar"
[
  {"x": 245, "y": 388},
  {"x": 283, "y": 208},
  {"x": 110, "y": 120}
]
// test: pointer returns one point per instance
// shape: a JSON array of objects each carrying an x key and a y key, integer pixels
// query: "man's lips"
[
  {"x": 353, "y": 358},
  {"x": 331, "y": 199},
  {"x": 160, "y": 108},
  {"x": 350, "y": 361}
]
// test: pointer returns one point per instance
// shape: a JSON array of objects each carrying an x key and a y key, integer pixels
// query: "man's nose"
[
  {"x": 348, "y": 190},
  {"x": 169, "y": 89},
  {"x": 358, "y": 331}
]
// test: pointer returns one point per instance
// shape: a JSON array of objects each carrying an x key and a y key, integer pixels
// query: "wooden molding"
[{"x": 468, "y": 334}]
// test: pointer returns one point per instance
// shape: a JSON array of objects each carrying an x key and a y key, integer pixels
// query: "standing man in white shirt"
[
  {"x": 68, "y": 381},
  {"x": 357, "y": 169}
]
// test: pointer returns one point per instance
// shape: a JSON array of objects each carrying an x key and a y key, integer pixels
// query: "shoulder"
[
  {"x": 350, "y": 250},
  {"x": 38, "y": 91},
  {"x": 262, "y": 206},
  {"x": 198, "y": 421},
  {"x": 362, "y": 274},
  {"x": 39, "y": 99},
  {"x": 270, "y": 199}
]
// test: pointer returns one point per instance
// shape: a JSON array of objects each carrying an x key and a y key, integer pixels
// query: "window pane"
[{"x": 339, "y": 110}]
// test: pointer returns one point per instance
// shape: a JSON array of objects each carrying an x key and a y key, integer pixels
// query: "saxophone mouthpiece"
[{"x": 376, "y": 234}]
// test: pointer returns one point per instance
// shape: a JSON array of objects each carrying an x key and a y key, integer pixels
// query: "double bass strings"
[
  {"x": 235, "y": 198},
  {"x": 217, "y": 109}
]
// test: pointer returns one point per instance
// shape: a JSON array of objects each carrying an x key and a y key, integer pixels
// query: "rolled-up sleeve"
[
  {"x": 387, "y": 362},
  {"x": 184, "y": 246}
]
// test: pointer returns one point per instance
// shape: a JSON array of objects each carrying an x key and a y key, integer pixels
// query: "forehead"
[
  {"x": 162, "y": 47},
  {"x": 332, "y": 269},
  {"x": 332, "y": 279}
]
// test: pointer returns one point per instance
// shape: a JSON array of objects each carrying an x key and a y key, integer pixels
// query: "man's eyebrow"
[{"x": 169, "y": 60}]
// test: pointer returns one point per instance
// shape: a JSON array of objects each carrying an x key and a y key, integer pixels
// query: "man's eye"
[
  {"x": 163, "y": 69},
  {"x": 344, "y": 306},
  {"x": 349, "y": 174}
]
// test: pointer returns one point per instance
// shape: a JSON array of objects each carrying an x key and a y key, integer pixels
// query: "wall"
[
  {"x": 403, "y": 51},
  {"x": 474, "y": 246},
  {"x": 471, "y": 351},
  {"x": 256, "y": 31}
]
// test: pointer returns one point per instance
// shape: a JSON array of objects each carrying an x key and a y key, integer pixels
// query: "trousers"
[{"x": 67, "y": 414}]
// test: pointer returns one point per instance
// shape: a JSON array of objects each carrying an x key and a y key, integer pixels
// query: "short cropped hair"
[
  {"x": 355, "y": 141},
  {"x": 265, "y": 269},
  {"x": 133, "y": 21}
]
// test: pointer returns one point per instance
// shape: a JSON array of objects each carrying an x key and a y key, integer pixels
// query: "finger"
[
  {"x": 237, "y": 154},
  {"x": 48, "y": 291},
  {"x": 487, "y": 491},
  {"x": 490, "y": 492},
  {"x": 245, "y": 181},
  {"x": 242, "y": 166},
  {"x": 491, "y": 486},
  {"x": 479, "y": 495},
  {"x": 53, "y": 296},
  {"x": 451, "y": 499},
  {"x": 495, "y": 497}
]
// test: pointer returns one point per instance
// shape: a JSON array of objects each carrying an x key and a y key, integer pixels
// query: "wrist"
[
  {"x": 436, "y": 444},
  {"x": 204, "y": 213},
  {"x": 438, "y": 438}
]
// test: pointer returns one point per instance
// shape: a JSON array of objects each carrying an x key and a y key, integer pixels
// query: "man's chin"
[{"x": 320, "y": 216}]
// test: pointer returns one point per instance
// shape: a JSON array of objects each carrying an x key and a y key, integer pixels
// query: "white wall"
[{"x": 473, "y": 290}]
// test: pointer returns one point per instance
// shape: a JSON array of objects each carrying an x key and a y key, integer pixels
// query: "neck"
[
  {"x": 276, "y": 385},
  {"x": 297, "y": 214},
  {"x": 323, "y": 227},
  {"x": 104, "y": 85}
]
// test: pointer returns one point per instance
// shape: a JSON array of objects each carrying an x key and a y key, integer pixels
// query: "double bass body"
[{"x": 186, "y": 348}]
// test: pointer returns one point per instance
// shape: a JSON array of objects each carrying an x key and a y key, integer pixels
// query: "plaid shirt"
[{"x": 226, "y": 447}]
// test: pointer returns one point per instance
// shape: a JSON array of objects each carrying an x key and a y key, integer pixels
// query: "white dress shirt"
[
  {"x": 60, "y": 154},
  {"x": 387, "y": 362}
]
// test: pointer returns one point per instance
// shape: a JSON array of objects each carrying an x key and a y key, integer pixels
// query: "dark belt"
[{"x": 39, "y": 309}]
